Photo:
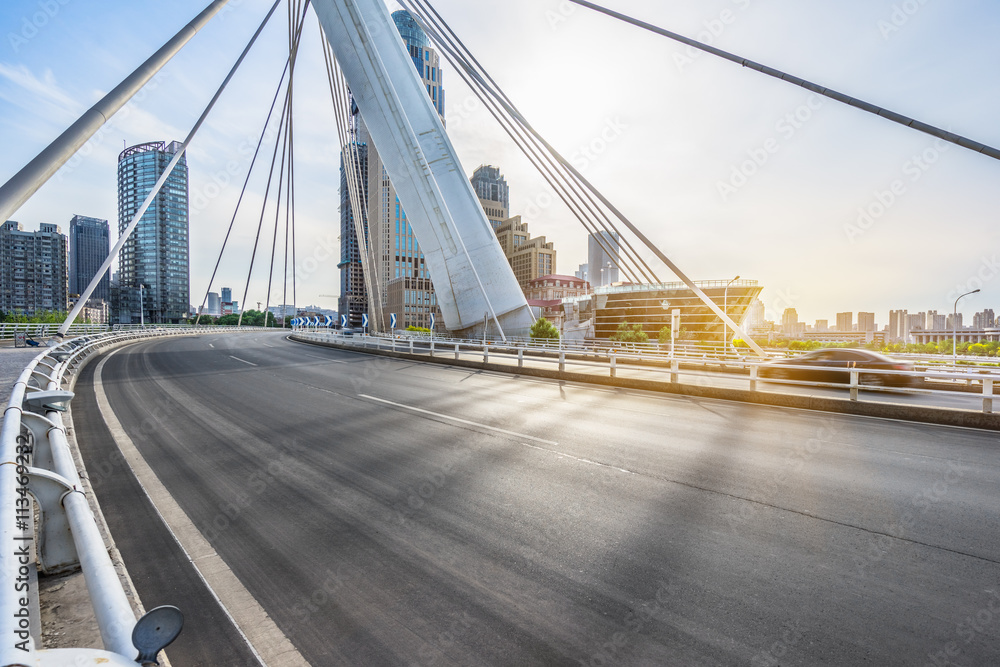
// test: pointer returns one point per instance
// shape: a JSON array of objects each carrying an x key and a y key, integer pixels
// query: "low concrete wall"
[{"x": 927, "y": 415}]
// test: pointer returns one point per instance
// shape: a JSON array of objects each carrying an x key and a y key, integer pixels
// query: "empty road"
[{"x": 386, "y": 512}]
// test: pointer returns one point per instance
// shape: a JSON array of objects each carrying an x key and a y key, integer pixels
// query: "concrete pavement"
[{"x": 393, "y": 512}]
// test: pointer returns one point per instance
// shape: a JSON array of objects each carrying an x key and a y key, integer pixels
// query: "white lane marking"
[
  {"x": 577, "y": 458},
  {"x": 211, "y": 345},
  {"x": 250, "y": 363},
  {"x": 461, "y": 421},
  {"x": 236, "y": 601}
]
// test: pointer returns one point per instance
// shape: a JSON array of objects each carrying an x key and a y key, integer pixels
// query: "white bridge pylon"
[{"x": 471, "y": 275}]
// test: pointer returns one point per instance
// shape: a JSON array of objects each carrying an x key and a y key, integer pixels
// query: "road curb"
[{"x": 924, "y": 415}]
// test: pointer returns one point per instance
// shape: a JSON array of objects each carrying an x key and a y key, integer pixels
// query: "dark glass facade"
[
  {"x": 353, "y": 294},
  {"x": 89, "y": 245},
  {"x": 490, "y": 184},
  {"x": 157, "y": 254}
]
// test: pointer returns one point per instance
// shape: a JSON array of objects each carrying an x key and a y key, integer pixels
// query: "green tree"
[
  {"x": 418, "y": 329},
  {"x": 664, "y": 335},
  {"x": 630, "y": 333},
  {"x": 542, "y": 329}
]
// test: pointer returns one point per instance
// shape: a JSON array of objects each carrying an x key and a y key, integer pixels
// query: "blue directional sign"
[
  {"x": 392, "y": 320},
  {"x": 432, "y": 321},
  {"x": 329, "y": 321},
  {"x": 364, "y": 320},
  {"x": 343, "y": 320}
]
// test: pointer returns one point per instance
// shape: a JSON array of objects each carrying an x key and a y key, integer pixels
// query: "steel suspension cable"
[
  {"x": 920, "y": 126},
  {"x": 576, "y": 197},
  {"x": 123, "y": 237},
  {"x": 512, "y": 110}
]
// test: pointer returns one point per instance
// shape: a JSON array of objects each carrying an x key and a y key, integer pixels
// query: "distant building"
[
  {"x": 493, "y": 192},
  {"x": 546, "y": 294},
  {"x": 984, "y": 320},
  {"x": 845, "y": 321},
  {"x": 95, "y": 311},
  {"x": 89, "y": 246},
  {"x": 899, "y": 326},
  {"x": 33, "y": 269},
  {"x": 822, "y": 326},
  {"x": 915, "y": 323},
  {"x": 934, "y": 321},
  {"x": 757, "y": 314},
  {"x": 790, "y": 324},
  {"x": 650, "y": 307},
  {"x": 156, "y": 255},
  {"x": 954, "y": 321},
  {"x": 214, "y": 307},
  {"x": 866, "y": 322},
  {"x": 530, "y": 258},
  {"x": 602, "y": 258},
  {"x": 581, "y": 273},
  {"x": 353, "y": 300}
]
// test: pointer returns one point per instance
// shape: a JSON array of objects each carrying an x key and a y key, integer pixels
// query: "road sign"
[
  {"x": 343, "y": 320},
  {"x": 432, "y": 321},
  {"x": 392, "y": 320},
  {"x": 329, "y": 321},
  {"x": 364, "y": 320}
]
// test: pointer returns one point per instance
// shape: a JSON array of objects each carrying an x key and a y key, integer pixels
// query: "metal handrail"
[
  {"x": 673, "y": 366},
  {"x": 19, "y": 476}
]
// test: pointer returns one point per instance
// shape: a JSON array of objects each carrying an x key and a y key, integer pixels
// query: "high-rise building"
[
  {"x": 790, "y": 324},
  {"x": 353, "y": 300},
  {"x": 935, "y": 322},
  {"x": 899, "y": 326},
  {"x": 89, "y": 245},
  {"x": 954, "y": 321},
  {"x": 866, "y": 321},
  {"x": 530, "y": 258},
  {"x": 915, "y": 323},
  {"x": 822, "y": 326},
  {"x": 494, "y": 194},
  {"x": 401, "y": 280},
  {"x": 227, "y": 293},
  {"x": 214, "y": 306},
  {"x": 845, "y": 321},
  {"x": 154, "y": 265},
  {"x": 33, "y": 269},
  {"x": 984, "y": 319},
  {"x": 602, "y": 258},
  {"x": 582, "y": 273}
]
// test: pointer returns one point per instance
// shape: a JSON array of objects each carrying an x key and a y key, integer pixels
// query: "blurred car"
[{"x": 835, "y": 365}]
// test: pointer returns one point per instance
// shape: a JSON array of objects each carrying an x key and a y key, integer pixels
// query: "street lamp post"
[
  {"x": 142, "y": 309},
  {"x": 954, "y": 329},
  {"x": 725, "y": 309}
]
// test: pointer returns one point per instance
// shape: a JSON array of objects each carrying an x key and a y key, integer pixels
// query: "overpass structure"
[{"x": 472, "y": 280}]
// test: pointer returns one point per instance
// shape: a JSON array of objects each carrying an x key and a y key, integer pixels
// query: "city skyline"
[{"x": 825, "y": 206}]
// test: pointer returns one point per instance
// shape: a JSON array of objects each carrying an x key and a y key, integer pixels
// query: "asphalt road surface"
[{"x": 386, "y": 512}]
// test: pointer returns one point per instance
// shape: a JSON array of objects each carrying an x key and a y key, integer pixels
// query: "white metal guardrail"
[
  {"x": 9, "y": 329},
  {"x": 37, "y": 471},
  {"x": 661, "y": 367}
]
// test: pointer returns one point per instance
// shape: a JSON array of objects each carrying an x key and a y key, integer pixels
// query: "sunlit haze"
[{"x": 728, "y": 171}]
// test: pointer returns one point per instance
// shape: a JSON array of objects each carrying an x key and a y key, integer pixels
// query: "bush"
[
  {"x": 544, "y": 330},
  {"x": 630, "y": 333}
]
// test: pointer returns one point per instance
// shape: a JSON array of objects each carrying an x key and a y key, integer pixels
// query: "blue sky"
[{"x": 728, "y": 171}]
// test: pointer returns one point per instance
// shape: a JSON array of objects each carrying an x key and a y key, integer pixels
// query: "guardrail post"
[
  {"x": 486, "y": 354},
  {"x": 520, "y": 357},
  {"x": 854, "y": 385},
  {"x": 432, "y": 347},
  {"x": 673, "y": 371},
  {"x": 987, "y": 395},
  {"x": 562, "y": 361},
  {"x": 753, "y": 377},
  {"x": 411, "y": 346},
  {"x": 456, "y": 351},
  {"x": 613, "y": 363}
]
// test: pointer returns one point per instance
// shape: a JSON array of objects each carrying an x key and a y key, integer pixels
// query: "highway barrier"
[{"x": 701, "y": 375}]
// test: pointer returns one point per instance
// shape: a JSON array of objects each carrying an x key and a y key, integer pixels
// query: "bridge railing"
[
  {"x": 38, "y": 471},
  {"x": 8, "y": 329},
  {"x": 862, "y": 383}
]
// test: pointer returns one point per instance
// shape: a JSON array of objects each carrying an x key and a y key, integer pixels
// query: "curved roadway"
[{"x": 399, "y": 513}]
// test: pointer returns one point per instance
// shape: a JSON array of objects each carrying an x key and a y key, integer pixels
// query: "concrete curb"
[{"x": 924, "y": 415}]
